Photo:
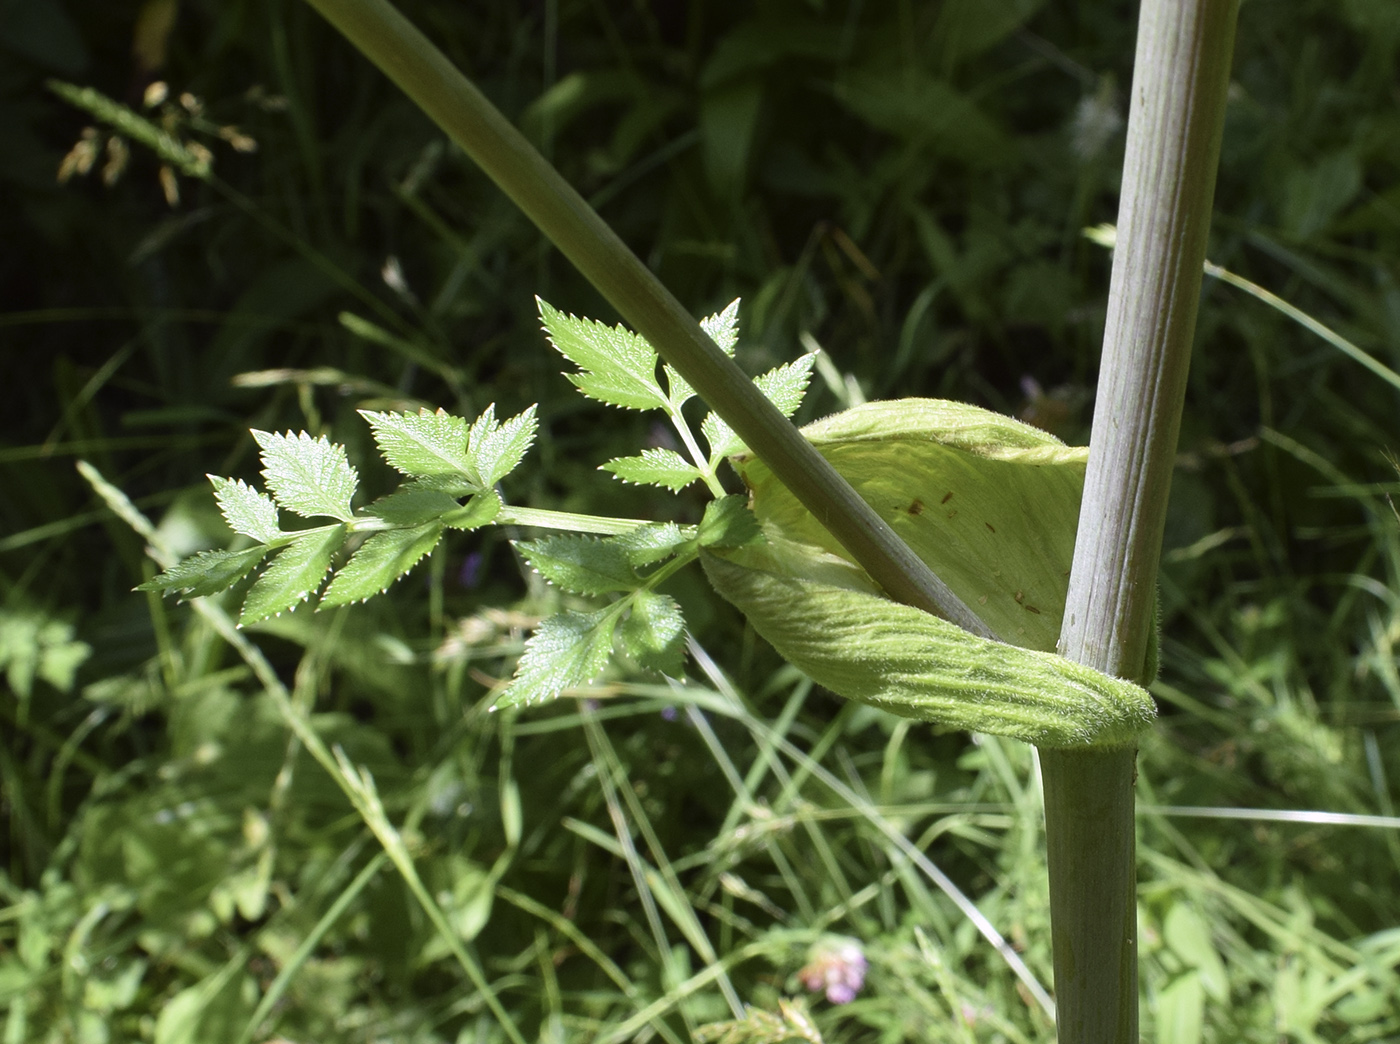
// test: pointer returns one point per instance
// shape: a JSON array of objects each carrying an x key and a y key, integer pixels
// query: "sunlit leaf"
[
  {"x": 567, "y": 651},
  {"x": 784, "y": 386},
  {"x": 654, "y": 467},
  {"x": 422, "y": 444},
  {"x": 867, "y": 648},
  {"x": 653, "y": 634},
  {"x": 381, "y": 560},
  {"x": 294, "y": 574},
  {"x": 583, "y": 565},
  {"x": 991, "y": 504},
  {"x": 246, "y": 510},
  {"x": 723, "y": 328},
  {"x": 308, "y": 476},
  {"x": 206, "y": 573},
  {"x": 494, "y": 449},
  {"x": 616, "y": 366}
]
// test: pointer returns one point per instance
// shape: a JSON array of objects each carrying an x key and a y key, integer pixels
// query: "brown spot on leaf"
[
  {"x": 916, "y": 508},
  {"x": 990, "y": 526},
  {"x": 947, "y": 497}
]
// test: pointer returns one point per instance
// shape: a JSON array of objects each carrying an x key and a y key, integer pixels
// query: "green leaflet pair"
[{"x": 991, "y": 505}]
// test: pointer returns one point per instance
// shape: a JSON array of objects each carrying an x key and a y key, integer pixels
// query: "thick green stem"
[
  {"x": 408, "y": 58},
  {"x": 1180, "y": 80}
]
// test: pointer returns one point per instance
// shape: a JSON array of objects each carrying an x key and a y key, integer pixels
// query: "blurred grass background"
[{"x": 905, "y": 185}]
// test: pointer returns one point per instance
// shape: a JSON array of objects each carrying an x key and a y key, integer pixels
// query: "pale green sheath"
[{"x": 991, "y": 505}]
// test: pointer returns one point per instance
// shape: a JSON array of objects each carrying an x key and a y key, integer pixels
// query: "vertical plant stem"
[
  {"x": 1180, "y": 80},
  {"x": 423, "y": 72}
]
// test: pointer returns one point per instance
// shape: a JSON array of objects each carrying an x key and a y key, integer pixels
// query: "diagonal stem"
[{"x": 408, "y": 58}]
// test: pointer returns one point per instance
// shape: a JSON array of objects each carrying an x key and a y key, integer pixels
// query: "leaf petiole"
[
  {"x": 706, "y": 467},
  {"x": 568, "y": 522}
]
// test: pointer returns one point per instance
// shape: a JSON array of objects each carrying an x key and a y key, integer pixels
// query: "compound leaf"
[
  {"x": 583, "y": 565},
  {"x": 653, "y": 634},
  {"x": 308, "y": 476},
  {"x": 294, "y": 574},
  {"x": 206, "y": 573},
  {"x": 616, "y": 366},
  {"x": 246, "y": 510},
  {"x": 567, "y": 651},
  {"x": 381, "y": 560},
  {"x": 655, "y": 467}
]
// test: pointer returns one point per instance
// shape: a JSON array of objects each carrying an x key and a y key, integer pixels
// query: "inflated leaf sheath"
[
  {"x": 865, "y": 647},
  {"x": 991, "y": 505}
]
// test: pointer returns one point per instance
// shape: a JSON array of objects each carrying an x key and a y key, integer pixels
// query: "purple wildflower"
[
  {"x": 470, "y": 573},
  {"x": 837, "y": 966}
]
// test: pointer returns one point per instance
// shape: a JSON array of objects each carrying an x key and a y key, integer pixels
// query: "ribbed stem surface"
[{"x": 1180, "y": 81}]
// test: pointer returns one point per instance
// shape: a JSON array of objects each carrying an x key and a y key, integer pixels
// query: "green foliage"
[
  {"x": 161, "y": 824},
  {"x": 444, "y": 459},
  {"x": 792, "y": 1022},
  {"x": 583, "y": 565},
  {"x": 37, "y": 646},
  {"x": 619, "y": 368},
  {"x": 308, "y": 476},
  {"x": 653, "y": 634},
  {"x": 855, "y": 642},
  {"x": 569, "y": 650},
  {"x": 908, "y": 662},
  {"x": 988, "y": 502},
  {"x": 208, "y": 572},
  {"x": 296, "y": 572},
  {"x": 784, "y": 386},
  {"x": 655, "y": 467},
  {"x": 441, "y": 453},
  {"x": 247, "y": 511}
]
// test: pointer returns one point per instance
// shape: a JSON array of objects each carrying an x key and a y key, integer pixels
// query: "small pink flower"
[{"x": 837, "y": 966}]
